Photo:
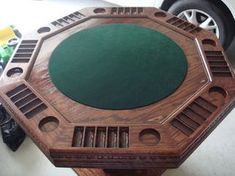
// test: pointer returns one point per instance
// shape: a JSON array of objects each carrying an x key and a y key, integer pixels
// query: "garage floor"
[{"x": 214, "y": 157}]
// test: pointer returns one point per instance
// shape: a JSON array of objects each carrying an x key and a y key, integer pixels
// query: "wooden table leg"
[{"x": 101, "y": 172}]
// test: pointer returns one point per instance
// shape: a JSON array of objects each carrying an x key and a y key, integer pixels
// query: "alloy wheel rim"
[{"x": 201, "y": 19}]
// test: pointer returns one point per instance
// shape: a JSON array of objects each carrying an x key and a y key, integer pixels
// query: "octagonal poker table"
[{"x": 129, "y": 90}]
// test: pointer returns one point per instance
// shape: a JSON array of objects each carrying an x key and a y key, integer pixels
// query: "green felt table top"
[{"x": 117, "y": 66}]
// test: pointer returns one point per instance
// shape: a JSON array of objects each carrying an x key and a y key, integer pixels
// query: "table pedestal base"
[{"x": 101, "y": 172}]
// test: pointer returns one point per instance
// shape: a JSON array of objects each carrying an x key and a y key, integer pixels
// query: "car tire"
[{"x": 224, "y": 25}]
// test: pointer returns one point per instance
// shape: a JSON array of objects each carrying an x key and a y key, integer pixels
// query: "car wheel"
[{"x": 206, "y": 15}]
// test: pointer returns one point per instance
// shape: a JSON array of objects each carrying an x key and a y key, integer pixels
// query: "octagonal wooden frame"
[{"x": 161, "y": 135}]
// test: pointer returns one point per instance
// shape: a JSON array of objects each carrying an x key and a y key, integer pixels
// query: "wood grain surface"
[{"x": 152, "y": 138}]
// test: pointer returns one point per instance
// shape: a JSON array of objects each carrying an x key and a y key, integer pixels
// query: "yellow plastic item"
[{"x": 6, "y": 34}]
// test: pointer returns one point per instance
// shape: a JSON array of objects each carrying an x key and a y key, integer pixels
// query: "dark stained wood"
[
  {"x": 152, "y": 138},
  {"x": 100, "y": 172}
]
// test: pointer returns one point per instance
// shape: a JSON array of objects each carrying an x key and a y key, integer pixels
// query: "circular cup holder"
[
  {"x": 149, "y": 137},
  {"x": 48, "y": 124},
  {"x": 14, "y": 72},
  {"x": 43, "y": 30},
  {"x": 160, "y": 14},
  {"x": 99, "y": 10},
  {"x": 208, "y": 42},
  {"x": 218, "y": 94}
]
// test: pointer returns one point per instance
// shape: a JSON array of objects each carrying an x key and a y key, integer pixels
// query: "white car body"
[{"x": 231, "y": 6}]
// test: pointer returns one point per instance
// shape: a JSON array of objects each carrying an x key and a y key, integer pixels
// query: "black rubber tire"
[{"x": 226, "y": 31}]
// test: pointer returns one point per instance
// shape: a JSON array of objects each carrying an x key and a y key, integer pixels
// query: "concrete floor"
[{"x": 214, "y": 157}]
